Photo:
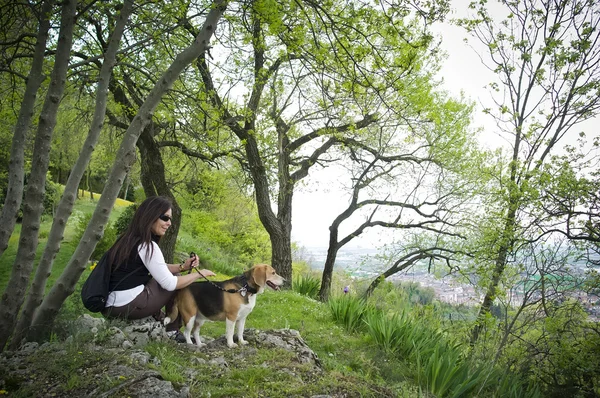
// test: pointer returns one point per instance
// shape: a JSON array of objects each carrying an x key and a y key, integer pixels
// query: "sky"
[{"x": 322, "y": 198}]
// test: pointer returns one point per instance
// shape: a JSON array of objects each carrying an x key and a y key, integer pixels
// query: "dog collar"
[{"x": 247, "y": 288}]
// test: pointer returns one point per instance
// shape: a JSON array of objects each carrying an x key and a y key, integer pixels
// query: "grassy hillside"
[
  {"x": 385, "y": 347},
  {"x": 352, "y": 364},
  {"x": 83, "y": 206}
]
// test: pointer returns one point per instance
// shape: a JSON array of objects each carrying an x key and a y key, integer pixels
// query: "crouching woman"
[{"x": 141, "y": 281}]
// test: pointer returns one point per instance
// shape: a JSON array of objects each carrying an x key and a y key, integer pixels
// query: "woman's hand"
[
  {"x": 190, "y": 263},
  {"x": 205, "y": 273}
]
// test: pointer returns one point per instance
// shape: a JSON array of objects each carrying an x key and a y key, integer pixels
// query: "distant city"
[{"x": 361, "y": 263}]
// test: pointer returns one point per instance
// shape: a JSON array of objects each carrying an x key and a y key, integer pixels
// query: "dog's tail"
[{"x": 172, "y": 314}]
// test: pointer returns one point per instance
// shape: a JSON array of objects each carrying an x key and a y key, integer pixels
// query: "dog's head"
[{"x": 263, "y": 275}]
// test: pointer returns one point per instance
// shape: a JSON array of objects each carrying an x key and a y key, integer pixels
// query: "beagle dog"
[{"x": 230, "y": 301}]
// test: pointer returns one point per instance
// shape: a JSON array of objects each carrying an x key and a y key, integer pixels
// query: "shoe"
[{"x": 179, "y": 337}]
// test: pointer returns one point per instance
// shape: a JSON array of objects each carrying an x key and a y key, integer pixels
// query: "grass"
[
  {"x": 425, "y": 354},
  {"x": 349, "y": 360},
  {"x": 351, "y": 366},
  {"x": 68, "y": 245},
  {"x": 367, "y": 349}
]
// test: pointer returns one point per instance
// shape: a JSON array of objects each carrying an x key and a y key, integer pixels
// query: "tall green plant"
[
  {"x": 350, "y": 311},
  {"x": 307, "y": 285},
  {"x": 446, "y": 374}
]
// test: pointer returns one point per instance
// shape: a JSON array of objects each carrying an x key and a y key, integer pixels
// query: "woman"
[{"x": 141, "y": 281}]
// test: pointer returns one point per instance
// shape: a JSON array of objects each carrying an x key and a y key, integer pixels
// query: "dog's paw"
[
  {"x": 232, "y": 345},
  {"x": 243, "y": 342},
  {"x": 166, "y": 321}
]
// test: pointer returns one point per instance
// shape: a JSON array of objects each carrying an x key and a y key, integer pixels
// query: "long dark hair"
[{"x": 139, "y": 230}]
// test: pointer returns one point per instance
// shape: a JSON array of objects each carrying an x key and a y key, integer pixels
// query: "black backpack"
[{"x": 95, "y": 289}]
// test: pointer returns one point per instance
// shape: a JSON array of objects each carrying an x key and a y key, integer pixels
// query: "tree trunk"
[
  {"x": 279, "y": 227},
  {"x": 152, "y": 173},
  {"x": 154, "y": 183},
  {"x": 327, "y": 277},
  {"x": 507, "y": 240},
  {"x": 16, "y": 166},
  {"x": 125, "y": 191},
  {"x": 125, "y": 157},
  {"x": 14, "y": 295},
  {"x": 335, "y": 245},
  {"x": 67, "y": 201},
  {"x": 89, "y": 187},
  {"x": 281, "y": 255},
  {"x": 505, "y": 245}
]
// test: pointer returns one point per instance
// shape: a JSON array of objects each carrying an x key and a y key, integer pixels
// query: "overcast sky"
[{"x": 322, "y": 199}]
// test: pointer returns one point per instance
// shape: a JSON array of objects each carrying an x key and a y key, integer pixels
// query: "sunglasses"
[{"x": 165, "y": 218}]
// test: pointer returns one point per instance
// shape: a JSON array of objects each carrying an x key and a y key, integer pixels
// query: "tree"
[
  {"x": 543, "y": 305},
  {"x": 412, "y": 186},
  {"x": 46, "y": 313},
  {"x": 546, "y": 55},
  {"x": 16, "y": 168},
  {"x": 13, "y": 296},
  {"x": 168, "y": 127},
  {"x": 307, "y": 76},
  {"x": 65, "y": 206}
]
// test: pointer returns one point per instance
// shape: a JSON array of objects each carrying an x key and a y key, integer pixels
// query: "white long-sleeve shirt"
[{"x": 157, "y": 267}]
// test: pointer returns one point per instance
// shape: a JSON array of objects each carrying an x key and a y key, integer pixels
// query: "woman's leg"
[{"x": 147, "y": 303}]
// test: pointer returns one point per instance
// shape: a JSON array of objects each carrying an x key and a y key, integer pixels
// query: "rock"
[
  {"x": 200, "y": 361},
  {"x": 140, "y": 357},
  {"x": 87, "y": 322},
  {"x": 287, "y": 339},
  {"x": 119, "y": 369},
  {"x": 220, "y": 361},
  {"x": 154, "y": 387},
  {"x": 29, "y": 347},
  {"x": 142, "y": 331},
  {"x": 116, "y": 337}
]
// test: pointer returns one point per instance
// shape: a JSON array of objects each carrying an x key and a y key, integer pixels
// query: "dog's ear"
[{"x": 260, "y": 274}]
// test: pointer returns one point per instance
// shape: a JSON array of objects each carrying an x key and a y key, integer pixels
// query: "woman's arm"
[
  {"x": 161, "y": 271},
  {"x": 186, "y": 280}
]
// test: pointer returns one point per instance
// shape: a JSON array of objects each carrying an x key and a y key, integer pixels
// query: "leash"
[{"x": 243, "y": 290}]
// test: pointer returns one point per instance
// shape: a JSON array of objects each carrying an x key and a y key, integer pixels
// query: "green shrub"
[
  {"x": 307, "y": 285},
  {"x": 506, "y": 384},
  {"x": 246, "y": 246},
  {"x": 51, "y": 196},
  {"x": 350, "y": 311},
  {"x": 105, "y": 243},
  {"x": 124, "y": 219},
  {"x": 211, "y": 256},
  {"x": 386, "y": 331}
]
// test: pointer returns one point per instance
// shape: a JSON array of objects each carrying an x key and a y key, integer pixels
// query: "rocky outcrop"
[{"x": 112, "y": 360}]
